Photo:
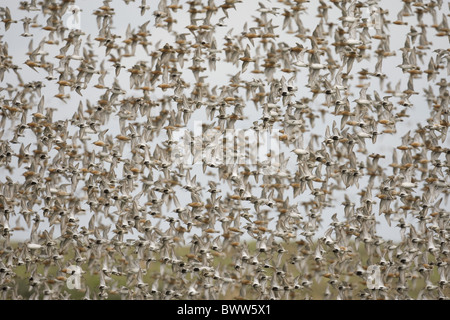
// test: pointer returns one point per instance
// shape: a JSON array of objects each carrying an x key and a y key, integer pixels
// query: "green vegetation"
[{"x": 320, "y": 281}]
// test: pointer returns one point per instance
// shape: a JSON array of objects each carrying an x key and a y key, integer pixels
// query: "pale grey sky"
[{"x": 129, "y": 14}]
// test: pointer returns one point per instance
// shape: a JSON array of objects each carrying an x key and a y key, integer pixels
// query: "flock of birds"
[{"x": 247, "y": 233}]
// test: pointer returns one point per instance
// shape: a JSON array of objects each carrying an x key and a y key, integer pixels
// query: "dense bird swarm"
[{"x": 99, "y": 188}]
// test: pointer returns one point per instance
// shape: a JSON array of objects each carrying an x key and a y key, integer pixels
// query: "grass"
[{"x": 321, "y": 278}]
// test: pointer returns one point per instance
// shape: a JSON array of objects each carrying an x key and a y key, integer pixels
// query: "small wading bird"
[{"x": 284, "y": 191}]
